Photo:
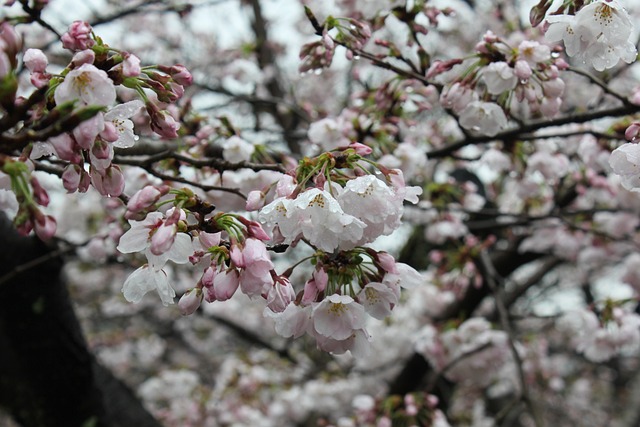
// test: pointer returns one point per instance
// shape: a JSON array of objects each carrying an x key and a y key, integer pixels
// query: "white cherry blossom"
[
  {"x": 139, "y": 239},
  {"x": 378, "y": 299},
  {"x": 338, "y": 316},
  {"x": 145, "y": 279},
  {"x": 599, "y": 34},
  {"x": 318, "y": 216},
  {"x": 119, "y": 116},
  {"x": 485, "y": 118},
  {"x": 87, "y": 84},
  {"x": 236, "y": 150},
  {"x": 499, "y": 77},
  {"x": 372, "y": 201},
  {"x": 625, "y": 161}
]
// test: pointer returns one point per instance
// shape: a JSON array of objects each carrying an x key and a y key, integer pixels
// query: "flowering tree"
[{"x": 358, "y": 214}]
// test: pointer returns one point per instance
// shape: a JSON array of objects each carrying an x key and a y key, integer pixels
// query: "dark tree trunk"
[{"x": 48, "y": 377}]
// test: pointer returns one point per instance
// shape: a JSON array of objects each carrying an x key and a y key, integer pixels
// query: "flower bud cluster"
[
  {"x": 502, "y": 79},
  {"x": 351, "y": 33},
  {"x": 30, "y": 195},
  {"x": 411, "y": 409},
  {"x": 98, "y": 124}
]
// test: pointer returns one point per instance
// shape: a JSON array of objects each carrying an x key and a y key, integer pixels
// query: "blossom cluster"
[
  {"x": 88, "y": 120},
  {"x": 599, "y": 34},
  {"x": 503, "y": 79},
  {"x": 615, "y": 332}
]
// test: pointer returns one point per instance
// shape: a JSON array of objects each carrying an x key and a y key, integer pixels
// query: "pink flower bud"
[
  {"x": 522, "y": 70},
  {"x": 86, "y": 56},
  {"x": 143, "y": 198},
  {"x": 78, "y": 37},
  {"x": 178, "y": 73},
  {"x": 254, "y": 229},
  {"x": 39, "y": 193},
  {"x": 11, "y": 38},
  {"x": 162, "y": 122},
  {"x": 321, "y": 278},
  {"x": 174, "y": 215},
  {"x": 280, "y": 295},
  {"x": 66, "y": 148},
  {"x": 190, "y": 301},
  {"x": 310, "y": 293},
  {"x": 553, "y": 88},
  {"x": 631, "y": 134},
  {"x": 75, "y": 178},
  {"x": 361, "y": 149},
  {"x": 44, "y": 226},
  {"x": 71, "y": 178},
  {"x": 208, "y": 276},
  {"x": 225, "y": 284},
  {"x": 162, "y": 239},
  {"x": 130, "y": 65},
  {"x": 387, "y": 262},
  {"x": 108, "y": 183},
  {"x": 255, "y": 200},
  {"x": 236, "y": 256},
  {"x": 35, "y": 60},
  {"x": 209, "y": 240},
  {"x": 549, "y": 107}
]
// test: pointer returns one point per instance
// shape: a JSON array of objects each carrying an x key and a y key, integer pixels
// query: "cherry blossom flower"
[
  {"x": 330, "y": 133},
  {"x": 292, "y": 322},
  {"x": 119, "y": 117},
  {"x": 625, "y": 161},
  {"x": 78, "y": 37},
  {"x": 499, "y": 77},
  {"x": 338, "y": 316},
  {"x": 318, "y": 216},
  {"x": 86, "y": 84},
  {"x": 145, "y": 279},
  {"x": 378, "y": 300},
  {"x": 139, "y": 239},
  {"x": 599, "y": 34},
  {"x": 236, "y": 150},
  {"x": 280, "y": 295},
  {"x": 370, "y": 200},
  {"x": 600, "y": 341},
  {"x": 257, "y": 265},
  {"x": 457, "y": 97},
  {"x": 190, "y": 301},
  {"x": 485, "y": 118},
  {"x": 358, "y": 343}
]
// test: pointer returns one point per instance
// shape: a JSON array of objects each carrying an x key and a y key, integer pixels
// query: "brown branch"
[
  {"x": 289, "y": 121},
  {"x": 533, "y": 126}
]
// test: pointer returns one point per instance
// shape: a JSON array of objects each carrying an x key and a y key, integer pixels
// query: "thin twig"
[
  {"x": 434, "y": 380},
  {"x": 19, "y": 269},
  {"x": 531, "y": 127},
  {"x": 603, "y": 85}
]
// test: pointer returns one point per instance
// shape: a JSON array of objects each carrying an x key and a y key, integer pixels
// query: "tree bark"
[{"x": 48, "y": 377}]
